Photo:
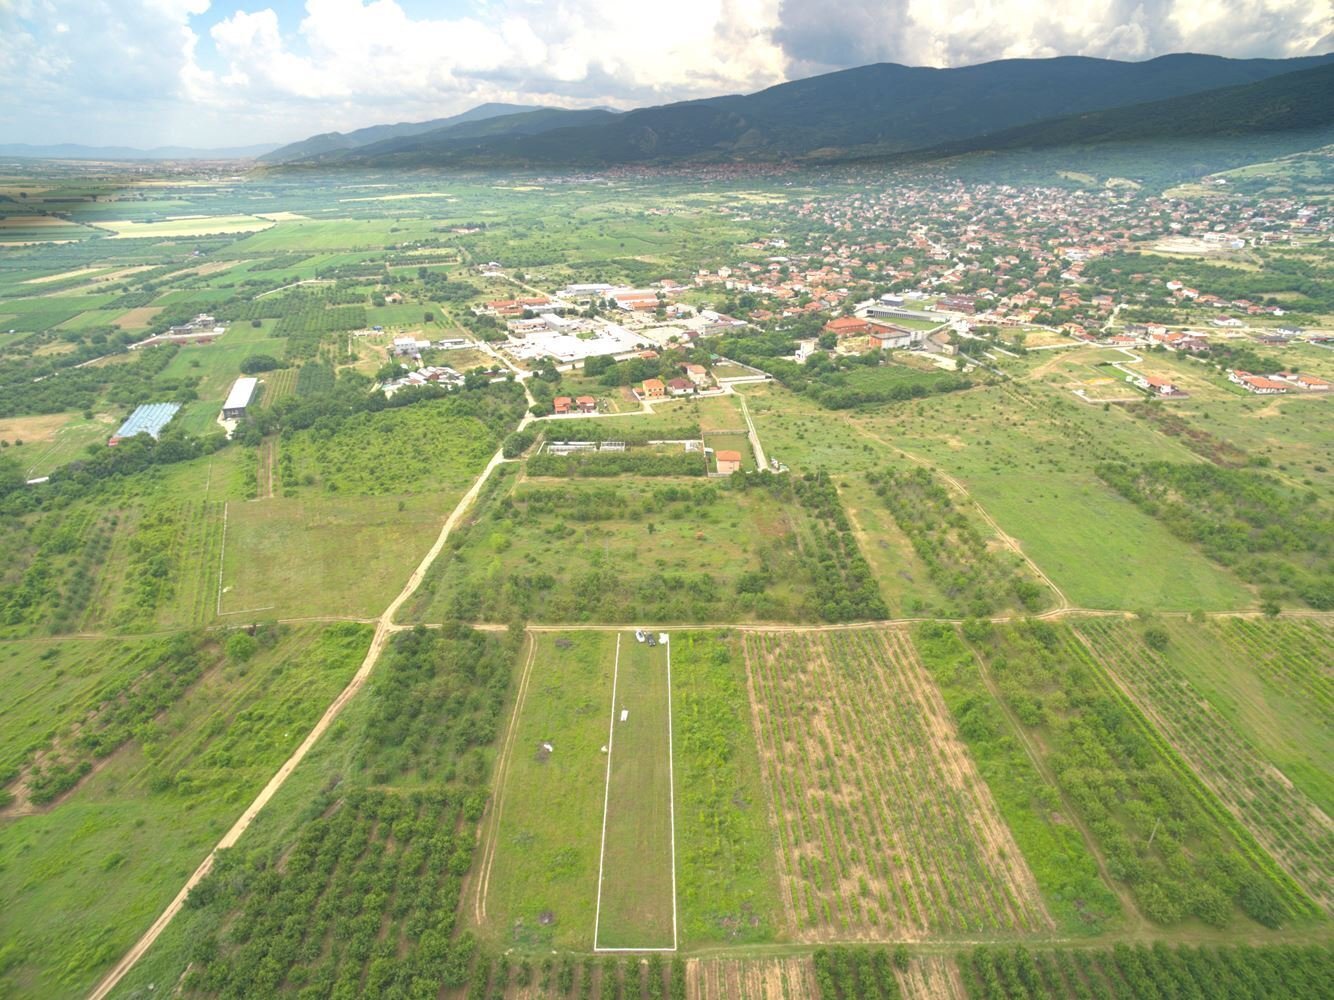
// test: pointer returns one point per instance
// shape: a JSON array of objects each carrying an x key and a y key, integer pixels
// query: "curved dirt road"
[{"x": 384, "y": 628}]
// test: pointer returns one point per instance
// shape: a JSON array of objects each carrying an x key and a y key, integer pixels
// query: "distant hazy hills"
[
  {"x": 871, "y": 111},
  {"x": 74, "y": 151},
  {"x": 327, "y": 143}
]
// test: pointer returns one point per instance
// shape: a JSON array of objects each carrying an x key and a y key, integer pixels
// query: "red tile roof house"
[
  {"x": 562, "y": 404},
  {"x": 1311, "y": 383},
  {"x": 654, "y": 389},
  {"x": 1155, "y": 384},
  {"x": 680, "y": 386},
  {"x": 728, "y": 462},
  {"x": 586, "y": 404},
  {"x": 847, "y": 326},
  {"x": 1257, "y": 384}
]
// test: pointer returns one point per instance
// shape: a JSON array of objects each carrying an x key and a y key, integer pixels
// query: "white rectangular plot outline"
[{"x": 606, "y": 800}]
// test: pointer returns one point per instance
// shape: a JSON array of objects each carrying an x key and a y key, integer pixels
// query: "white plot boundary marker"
[
  {"x": 606, "y": 788},
  {"x": 606, "y": 800}
]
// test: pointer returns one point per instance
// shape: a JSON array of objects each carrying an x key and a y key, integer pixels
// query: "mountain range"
[{"x": 881, "y": 110}]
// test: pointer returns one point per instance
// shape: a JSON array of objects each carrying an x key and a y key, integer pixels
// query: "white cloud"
[
  {"x": 139, "y": 71},
  {"x": 605, "y": 49},
  {"x": 962, "y": 32}
]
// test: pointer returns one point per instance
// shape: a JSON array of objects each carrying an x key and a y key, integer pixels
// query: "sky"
[{"x": 216, "y": 73}]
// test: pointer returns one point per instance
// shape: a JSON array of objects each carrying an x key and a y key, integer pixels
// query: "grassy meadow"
[
  {"x": 637, "y": 895},
  {"x": 539, "y": 884},
  {"x": 84, "y": 876}
]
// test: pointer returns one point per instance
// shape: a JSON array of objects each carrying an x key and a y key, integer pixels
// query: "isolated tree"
[{"x": 241, "y": 647}]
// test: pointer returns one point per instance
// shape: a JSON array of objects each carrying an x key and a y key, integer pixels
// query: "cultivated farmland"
[
  {"x": 884, "y": 826},
  {"x": 1161, "y": 832},
  {"x": 1294, "y": 828},
  {"x": 755, "y": 979}
]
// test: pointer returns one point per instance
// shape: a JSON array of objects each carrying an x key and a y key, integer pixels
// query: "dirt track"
[{"x": 384, "y": 628}]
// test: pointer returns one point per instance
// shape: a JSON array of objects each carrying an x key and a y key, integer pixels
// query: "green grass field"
[
  {"x": 541, "y": 889},
  {"x": 48, "y": 684},
  {"x": 1028, "y": 461},
  {"x": 727, "y": 887},
  {"x": 325, "y": 556},
  {"x": 51, "y": 441},
  {"x": 637, "y": 896},
  {"x": 82, "y": 879}
]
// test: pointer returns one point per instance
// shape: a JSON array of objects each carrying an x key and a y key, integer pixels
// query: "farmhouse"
[
  {"x": 148, "y": 418},
  {"x": 1257, "y": 384},
  {"x": 407, "y": 346},
  {"x": 437, "y": 374},
  {"x": 653, "y": 388},
  {"x": 1155, "y": 384},
  {"x": 561, "y": 404},
  {"x": 697, "y": 374},
  {"x": 243, "y": 390},
  {"x": 1311, "y": 383},
  {"x": 887, "y": 337},
  {"x": 728, "y": 462},
  {"x": 586, "y": 404}
]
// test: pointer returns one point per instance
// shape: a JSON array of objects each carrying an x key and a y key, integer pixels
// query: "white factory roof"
[{"x": 242, "y": 390}]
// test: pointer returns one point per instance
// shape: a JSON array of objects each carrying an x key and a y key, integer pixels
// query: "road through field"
[{"x": 384, "y": 628}]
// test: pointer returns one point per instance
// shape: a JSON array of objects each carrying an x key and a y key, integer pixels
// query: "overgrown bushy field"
[
  {"x": 128, "y": 554},
  {"x": 148, "y": 766},
  {"x": 974, "y": 577},
  {"x": 429, "y": 446},
  {"x": 753, "y": 547},
  {"x": 364, "y": 899},
  {"x": 622, "y": 551},
  {"x": 1268, "y": 533},
  {"x": 1160, "y": 831}
]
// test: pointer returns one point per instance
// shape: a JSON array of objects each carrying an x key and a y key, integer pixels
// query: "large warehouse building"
[
  {"x": 243, "y": 391},
  {"x": 148, "y": 418}
]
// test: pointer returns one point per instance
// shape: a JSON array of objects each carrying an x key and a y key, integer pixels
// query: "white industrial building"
[{"x": 242, "y": 392}]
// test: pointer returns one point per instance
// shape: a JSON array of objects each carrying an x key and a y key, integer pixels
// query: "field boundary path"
[
  {"x": 606, "y": 788},
  {"x": 1005, "y": 538},
  {"x": 384, "y": 628},
  {"x": 268, "y": 460},
  {"x": 760, "y": 462},
  {"x": 489, "y": 837}
]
